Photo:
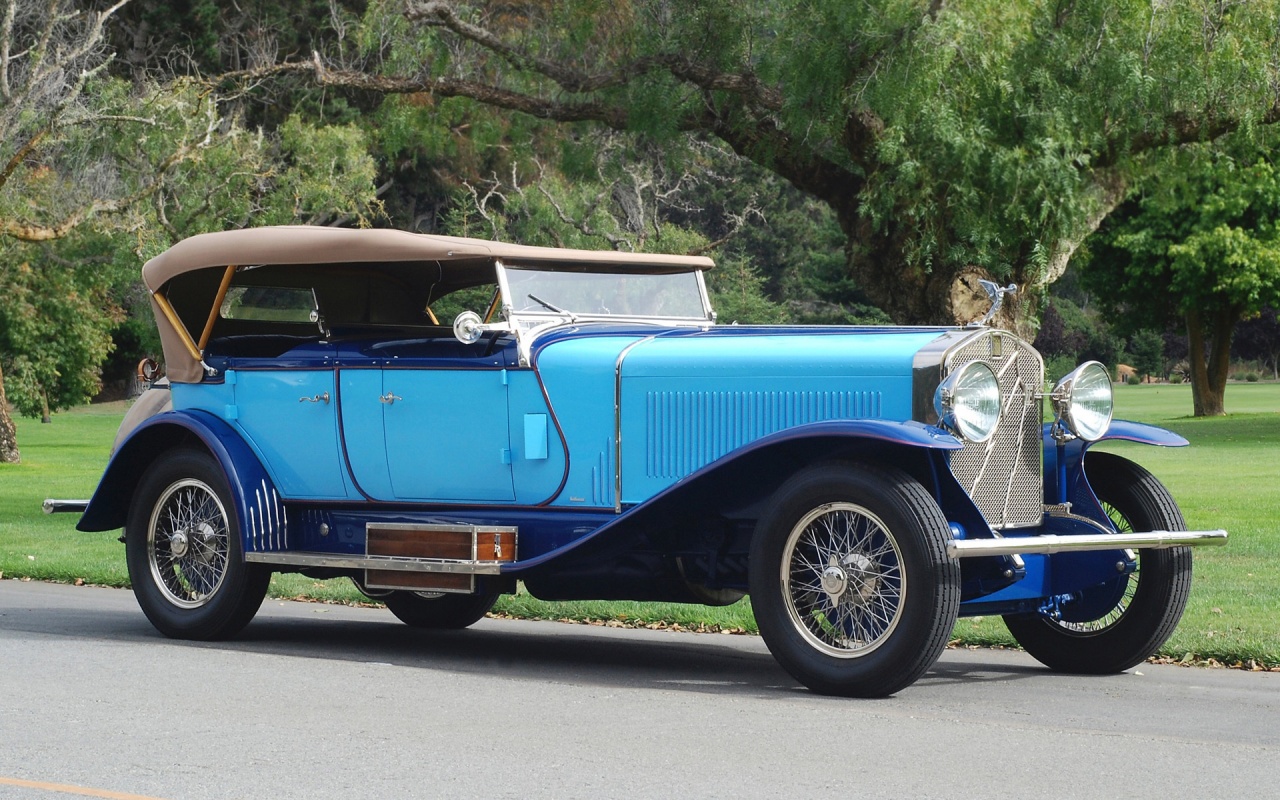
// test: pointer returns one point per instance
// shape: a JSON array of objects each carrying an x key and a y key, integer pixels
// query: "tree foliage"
[
  {"x": 1201, "y": 242},
  {"x": 1145, "y": 352},
  {"x": 85, "y": 152},
  {"x": 951, "y": 141},
  {"x": 55, "y": 328}
]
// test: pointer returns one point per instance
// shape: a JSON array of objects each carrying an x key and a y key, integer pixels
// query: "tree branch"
[
  {"x": 443, "y": 15},
  {"x": 586, "y": 111},
  {"x": 37, "y": 232},
  {"x": 6, "y": 47},
  {"x": 1182, "y": 129},
  {"x": 21, "y": 155}
]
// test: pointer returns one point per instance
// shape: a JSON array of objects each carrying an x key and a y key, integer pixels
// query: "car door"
[
  {"x": 443, "y": 434},
  {"x": 446, "y": 434},
  {"x": 289, "y": 417}
]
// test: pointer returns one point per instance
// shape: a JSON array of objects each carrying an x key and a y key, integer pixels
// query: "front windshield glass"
[{"x": 605, "y": 294}]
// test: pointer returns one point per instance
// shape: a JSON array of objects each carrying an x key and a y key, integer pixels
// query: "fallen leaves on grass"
[
  {"x": 659, "y": 625},
  {"x": 1192, "y": 660}
]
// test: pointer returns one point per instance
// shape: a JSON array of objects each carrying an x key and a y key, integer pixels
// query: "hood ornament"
[{"x": 995, "y": 293}]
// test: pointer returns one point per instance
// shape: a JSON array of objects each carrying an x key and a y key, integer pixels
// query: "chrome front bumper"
[{"x": 1050, "y": 543}]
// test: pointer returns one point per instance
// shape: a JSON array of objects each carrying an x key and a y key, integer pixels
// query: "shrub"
[
  {"x": 1251, "y": 377},
  {"x": 1134, "y": 380},
  {"x": 1176, "y": 378},
  {"x": 1057, "y": 366}
]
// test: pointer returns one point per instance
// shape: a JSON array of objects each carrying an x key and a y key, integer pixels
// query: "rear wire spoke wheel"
[
  {"x": 440, "y": 610},
  {"x": 1120, "y": 623},
  {"x": 182, "y": 544},
  {"x": 187, "y": 545},
  {"x": 851, "y": 584}
]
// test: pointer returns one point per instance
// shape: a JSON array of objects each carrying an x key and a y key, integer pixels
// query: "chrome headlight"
[
  {"x": 1082, "y": 401},
  {"x": 968, "y": 402}
]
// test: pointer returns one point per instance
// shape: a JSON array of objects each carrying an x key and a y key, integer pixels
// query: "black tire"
[
  {"x": 1126, "y": 620},
  {"x": 850, "y": 580},
  {"x": 182, "y": 544},
  {"x": 438, "y": 610}
]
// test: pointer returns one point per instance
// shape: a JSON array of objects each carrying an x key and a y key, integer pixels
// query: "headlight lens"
[
  {"x": 1082, "y": 401},
  {"x": 968, "y": 402}
]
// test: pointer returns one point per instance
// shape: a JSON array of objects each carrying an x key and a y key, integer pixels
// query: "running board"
[
  {"x": 1051, "y": 543},
  {"x": 295, "y": 558}
]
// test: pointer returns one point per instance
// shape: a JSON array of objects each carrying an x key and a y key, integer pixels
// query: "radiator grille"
[
  {"x": 688, "y": 430},
  {"x": 1004, "y": 475}
]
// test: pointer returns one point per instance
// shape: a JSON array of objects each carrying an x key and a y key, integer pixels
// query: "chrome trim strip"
[
  {"x": 617, "y": 421},
  {"x": 706, "y": 297},
  {"x": 1052, "y": 543},
  {"x": 394, "y": 563},
  {"x": 442, "y": 527},
  {"x": 926, "y": 371}
]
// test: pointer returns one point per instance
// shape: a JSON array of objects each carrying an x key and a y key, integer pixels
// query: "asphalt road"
[{"x": 316, "y": 701}]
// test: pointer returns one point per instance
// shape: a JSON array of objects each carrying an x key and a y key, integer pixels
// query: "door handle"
[
  {"x": 389, "y": 398},
  {"x": 320, "y": 398}
]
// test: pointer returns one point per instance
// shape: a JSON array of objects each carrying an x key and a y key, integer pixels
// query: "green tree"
[
  {"x": 55, "y": 328},
  {"x": 951, "y": 141},
  {"x": 1202, "y": 242},
  {"x": 83, "y": 151},
  {"x": 1146, "y": 353},
  {"x": 52, "y": 92},
  {"x": 737, "y": 294}
]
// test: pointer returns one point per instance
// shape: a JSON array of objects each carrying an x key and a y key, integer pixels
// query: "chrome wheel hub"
[
  {"x": 178, "y": 544},
  {"x": 834, "y": 581}
]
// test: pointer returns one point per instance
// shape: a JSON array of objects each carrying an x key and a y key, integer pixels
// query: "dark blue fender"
[
  {"x": 749, "y": 475},
  {"x": 1060, "y": 574},
  {"x": 1065, "y": 480},
  {"x": 263, "y": 524}
]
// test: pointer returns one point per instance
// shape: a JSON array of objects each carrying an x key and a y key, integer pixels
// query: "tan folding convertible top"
[{"x": 303, "y": 245}]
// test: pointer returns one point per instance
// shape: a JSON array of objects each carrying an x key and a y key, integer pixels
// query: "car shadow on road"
[
  {"x": 537, "y": 651},
  {"x": 513, "y": 649}
]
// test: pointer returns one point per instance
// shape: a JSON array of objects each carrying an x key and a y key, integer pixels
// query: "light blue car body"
[{"x": 603, "y": 426}]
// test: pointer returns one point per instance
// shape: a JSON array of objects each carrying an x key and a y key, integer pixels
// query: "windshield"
[{"x": 606, "y": 294}]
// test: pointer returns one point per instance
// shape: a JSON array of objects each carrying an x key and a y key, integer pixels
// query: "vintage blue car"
[{"x": 440, "y": 418}]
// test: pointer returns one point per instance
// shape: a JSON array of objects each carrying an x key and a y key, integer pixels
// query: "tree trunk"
[
  {"x": 45, "y": 418},
  {"x": 945, "y": 295},
  {"x": 1210, "y": 361},
  {"x": 951, "y": 295},
  {"x": 8, "y": 435}
]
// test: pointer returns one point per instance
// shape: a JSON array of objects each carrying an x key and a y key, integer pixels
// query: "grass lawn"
[{"x": 1229, "y": 478}]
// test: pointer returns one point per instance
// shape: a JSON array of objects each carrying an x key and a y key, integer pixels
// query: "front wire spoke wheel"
[
  {"x": 187, "y": 543},
  {"x": 1114, "y": 625},
  {"x": 1130, "y": 590},
  {"x": 830, "y": 566},
  {"x": 842, "y": 577}
]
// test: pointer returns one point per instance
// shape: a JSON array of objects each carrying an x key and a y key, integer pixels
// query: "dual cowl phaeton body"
[{"x": 439, "y": 418}]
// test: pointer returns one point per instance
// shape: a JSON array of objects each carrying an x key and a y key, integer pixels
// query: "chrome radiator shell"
[{"x": 1004, "y": 476}]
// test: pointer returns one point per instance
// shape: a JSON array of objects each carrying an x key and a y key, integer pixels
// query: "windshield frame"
[{"x": 528, "y": 324}]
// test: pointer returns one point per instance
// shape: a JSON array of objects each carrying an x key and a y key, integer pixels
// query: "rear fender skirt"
[
  {"x": 748, "y": 475},
  {"x": 263, "y": 521},
  {"x": 1079, "y": 493}
]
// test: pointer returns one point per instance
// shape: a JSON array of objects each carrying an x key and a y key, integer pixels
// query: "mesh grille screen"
[{"x": 1004, "y": 475}]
